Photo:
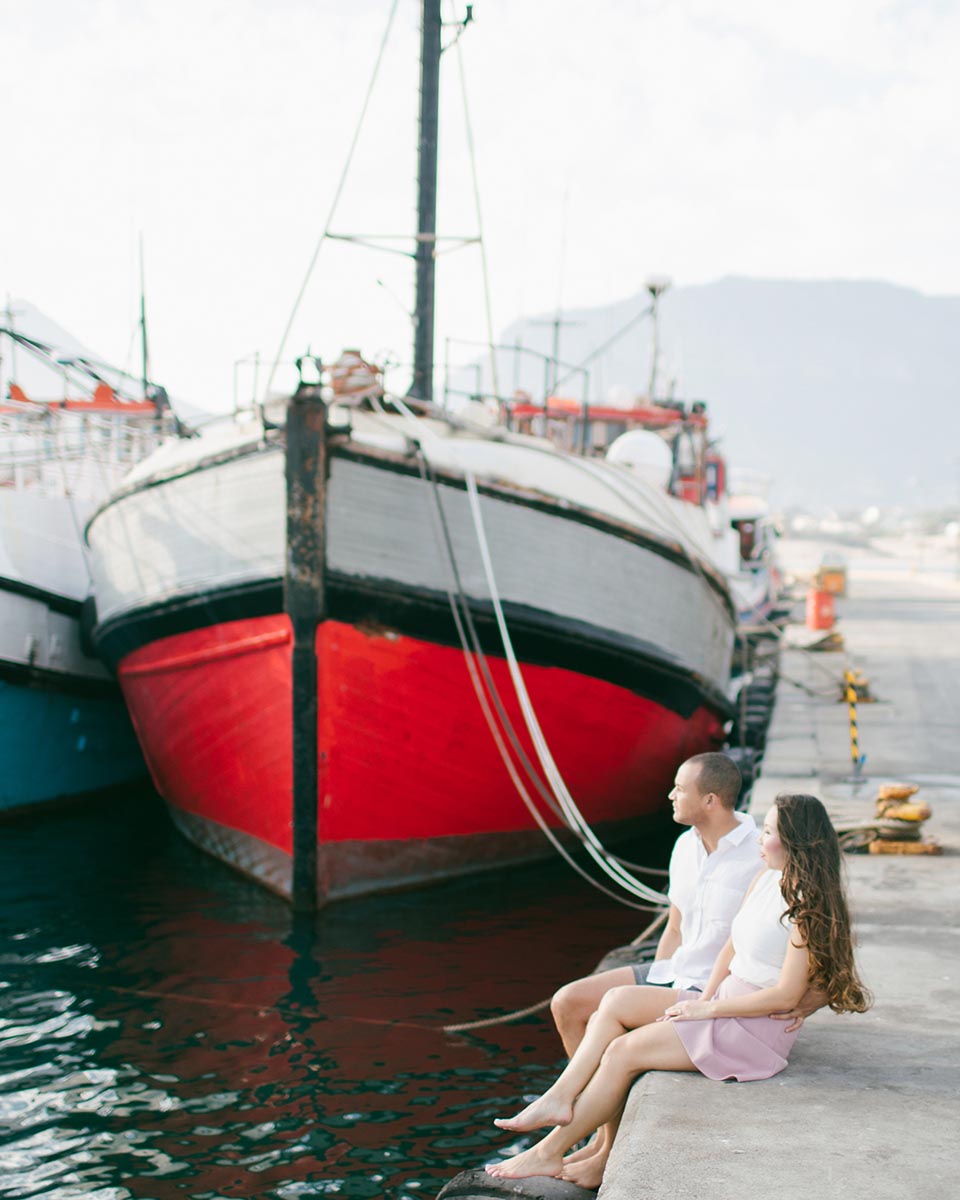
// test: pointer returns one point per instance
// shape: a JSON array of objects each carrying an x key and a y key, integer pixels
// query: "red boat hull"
[{"x": 411, "y": 786}]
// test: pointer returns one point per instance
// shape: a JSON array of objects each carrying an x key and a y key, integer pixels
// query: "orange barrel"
[
  {"x": 820, "y": 612},
  {"x": 834, "y": 580}
]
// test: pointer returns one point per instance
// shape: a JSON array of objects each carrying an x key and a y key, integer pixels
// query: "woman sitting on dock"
[{"x": 792, "y": 932}]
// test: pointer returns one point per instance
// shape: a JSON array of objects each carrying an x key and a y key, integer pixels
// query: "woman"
[{"x": 791, "y": 933}]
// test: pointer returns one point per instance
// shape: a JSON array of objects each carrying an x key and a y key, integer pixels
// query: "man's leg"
[
  {"x": 572, "y": 1006},
  {"x": 575, "y": 1003}
]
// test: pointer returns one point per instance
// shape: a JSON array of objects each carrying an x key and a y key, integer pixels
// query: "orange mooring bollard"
[{"x": 820, "y": 609}]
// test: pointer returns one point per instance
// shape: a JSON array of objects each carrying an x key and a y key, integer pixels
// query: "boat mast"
[{"x": 425, "y": 257}]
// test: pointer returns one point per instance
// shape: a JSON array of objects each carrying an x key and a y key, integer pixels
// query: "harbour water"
[{"x": 167, "y": 1031}]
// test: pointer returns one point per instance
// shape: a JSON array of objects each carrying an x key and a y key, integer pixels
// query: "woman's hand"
[
  {"x": 689, "y": 1010},
  {"x": 812, "y": 1000}
]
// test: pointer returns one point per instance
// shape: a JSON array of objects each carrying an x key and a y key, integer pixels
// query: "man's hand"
[{"x": 812, "y": 999}]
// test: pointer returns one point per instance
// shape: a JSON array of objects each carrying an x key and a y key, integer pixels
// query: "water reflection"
[{"x": 166, "y": 1031}]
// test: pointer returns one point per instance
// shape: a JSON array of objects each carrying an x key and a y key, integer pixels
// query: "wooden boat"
[{"x": 601, "y": 584}]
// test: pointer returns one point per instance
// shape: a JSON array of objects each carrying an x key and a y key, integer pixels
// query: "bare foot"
[
  {"x": 545, "y": 1110},
  {"x": 588, "y": 1172},
  {"x": 594, "y": 1146},
  {"x": 534, "y": 1161}
]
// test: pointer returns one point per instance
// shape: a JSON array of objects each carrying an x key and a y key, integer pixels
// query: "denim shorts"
[{"x": 642, "y": 970}]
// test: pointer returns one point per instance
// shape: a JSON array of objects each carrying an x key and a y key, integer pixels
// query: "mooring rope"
[
  {"x": 333, "y": 207},
  {"x": 472, "y": 650},
  {"x": 519, "y": 1013},
  {"x": 574, "y": 817}
]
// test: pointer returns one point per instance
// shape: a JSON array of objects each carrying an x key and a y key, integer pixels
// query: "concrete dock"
[{"x": 869, "y": 1105}]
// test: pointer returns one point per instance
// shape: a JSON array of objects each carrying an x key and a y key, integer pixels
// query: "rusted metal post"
[{"x": 303, "y": 601}]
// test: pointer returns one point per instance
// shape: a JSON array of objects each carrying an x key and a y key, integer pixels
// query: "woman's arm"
[
  {"x": 786, "y": 993},
  {"x": 721, "y": 968}
]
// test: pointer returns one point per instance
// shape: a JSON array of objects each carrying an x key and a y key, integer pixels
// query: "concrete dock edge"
[{"x": 868, "y": 1105}]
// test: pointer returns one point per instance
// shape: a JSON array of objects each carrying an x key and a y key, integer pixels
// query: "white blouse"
[{"x": 759, "y": 935}]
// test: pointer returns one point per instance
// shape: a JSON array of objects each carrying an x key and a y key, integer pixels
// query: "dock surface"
[{"x": 868, "y": 1105}]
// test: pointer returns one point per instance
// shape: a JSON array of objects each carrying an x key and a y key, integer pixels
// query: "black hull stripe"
[
  {"x": 37, "y": 679},
  {"x": 53, "y": 600},
  {"x": 539, "y": 638}
]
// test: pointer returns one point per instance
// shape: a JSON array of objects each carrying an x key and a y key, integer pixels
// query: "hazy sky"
[{"x": 695, "y": 138}]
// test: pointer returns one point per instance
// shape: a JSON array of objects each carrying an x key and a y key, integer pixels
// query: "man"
[{"x": 711, "y": 867}]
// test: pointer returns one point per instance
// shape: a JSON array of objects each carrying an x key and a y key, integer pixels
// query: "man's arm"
[
  {"x": 671, "y": 937},
  {"x": 721, "y": 969}
]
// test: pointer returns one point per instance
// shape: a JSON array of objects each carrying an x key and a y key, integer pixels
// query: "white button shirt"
[{"x": 708, "y": 890}]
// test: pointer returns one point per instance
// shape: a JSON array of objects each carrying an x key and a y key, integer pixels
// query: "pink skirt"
[{"x": 740, "y": 1048}]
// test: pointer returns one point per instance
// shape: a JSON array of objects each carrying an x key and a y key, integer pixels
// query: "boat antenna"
[
  {"x": 421, "y": 385},
  {"x": 558, "y": 321},
  {"x": 144, "y": 353},
  {"x": 468, "y": 126},
  {"x": 656, "y": 285}
]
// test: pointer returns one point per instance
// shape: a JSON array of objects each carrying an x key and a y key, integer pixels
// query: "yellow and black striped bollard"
[{"x": 857, "y": 758}]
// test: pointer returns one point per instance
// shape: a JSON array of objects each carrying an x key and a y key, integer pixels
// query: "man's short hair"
[{"x": 718, "y": 774}]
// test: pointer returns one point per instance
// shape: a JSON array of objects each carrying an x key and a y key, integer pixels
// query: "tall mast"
[{"x": 422, "y": 385}]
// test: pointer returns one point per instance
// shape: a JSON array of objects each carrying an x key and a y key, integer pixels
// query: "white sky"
[{"x": 695, "y": 138}]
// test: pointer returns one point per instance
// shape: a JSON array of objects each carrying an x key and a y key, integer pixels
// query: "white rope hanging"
[{"x": 571, "y": 812}]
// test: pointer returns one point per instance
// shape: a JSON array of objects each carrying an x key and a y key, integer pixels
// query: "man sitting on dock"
[{"x": 711, "y": 867}]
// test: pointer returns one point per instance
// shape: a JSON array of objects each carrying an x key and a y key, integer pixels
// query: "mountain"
[{"x": 845, "y": 393}]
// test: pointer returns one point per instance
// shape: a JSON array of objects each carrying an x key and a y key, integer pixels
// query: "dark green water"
[{"x": 166, "y": 1032}]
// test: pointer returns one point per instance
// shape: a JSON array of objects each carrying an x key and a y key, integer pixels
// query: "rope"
[
  {"x": 519, "y": 1013},
  {"x": 640, "y": 867},
  {"x": 336, "y": 201},
  {"x": 569, "y": 810},
  {"x": 574, "y": 818},
  {"x": 503, "y": 1019},
  {"x": 805, "y": 687},
  {"x": 476, "y": 201},
  {"x": 473, "y": 650},
  {"x": 547, "y": 762},
  {"x": 651, "y": 928}
]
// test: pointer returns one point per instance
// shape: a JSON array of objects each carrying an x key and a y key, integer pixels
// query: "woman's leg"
[
  {"x": 621, "y": 1009},
  {"x": 653, "y": 1048},
  {"x": 587, "y": 1171},
  {"x": 594, "y": 1146}
]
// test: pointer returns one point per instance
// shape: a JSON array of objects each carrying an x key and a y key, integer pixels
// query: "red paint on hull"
[{"x": 405, "y": 752}]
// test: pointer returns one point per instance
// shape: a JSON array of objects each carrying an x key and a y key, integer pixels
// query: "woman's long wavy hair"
[{"x": 813, "y": 889}]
